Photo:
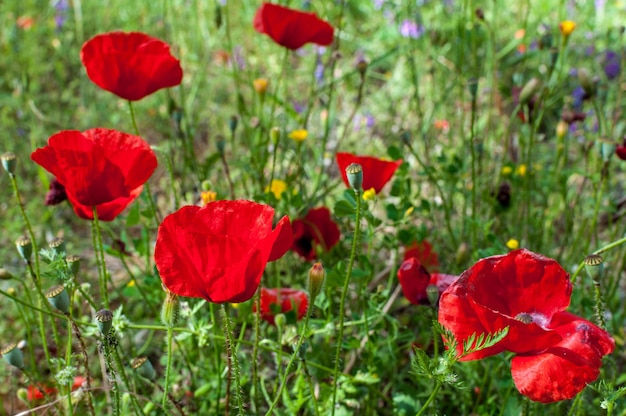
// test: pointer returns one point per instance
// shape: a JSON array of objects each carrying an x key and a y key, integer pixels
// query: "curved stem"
[
  {"x": 430, "y": 399},
  {"x": 344, "y": 292}
]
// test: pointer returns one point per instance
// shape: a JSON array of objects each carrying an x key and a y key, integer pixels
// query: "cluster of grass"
[{"x": 485, "y": 170}]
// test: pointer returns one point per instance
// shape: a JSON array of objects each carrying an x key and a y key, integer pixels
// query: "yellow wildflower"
[
  {"x": 507, "y": 170},
  {"x": 512, "y": 244},
  {"x": 208, "y": 196},
  {"x": 277, "y": 187},
  {"x": 369, "y": 194},
  {"x": 521, "y": 170},
  {"x": 131, "y": 283},
  {"x": 260, "y": 85},
  {"x": 298, "y": 135},
  {"x": 567, "y": 27}
]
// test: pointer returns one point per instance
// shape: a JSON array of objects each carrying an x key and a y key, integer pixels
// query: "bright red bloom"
[
  {"x": 424, "y": 253},
  {"x": 219, "y": 252},
  {"x": 414, "y": 279},
  {"x": 99, "y": 167},
  {"x": 528, "y": 293},
  {"x": 316, "y": 228},
  {"x": 563, "y": 370},
  {"x": 292, "y": 28},
  {"x": 275, "y": 301},
  {"x": 130, "y": 65},
  {"x": 376, "y": 172},
  {"x": 34, "y": 394}
]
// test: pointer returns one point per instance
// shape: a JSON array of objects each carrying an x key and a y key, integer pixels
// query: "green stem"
[
  {"x": 430, "y": 399},
  {"x": 231, "y": 351},
  {"x": 344, "y": 293},
  {"x": 68, "y": 361},
  {"x": 598, "y": 251},
  {"x": 122, "y": 372},
  {"x": 296, "y": 353},
  {"x": 99, "y": 247},
  {"x": 255, "y": 352},
  {"x": 168, "y": 367}
]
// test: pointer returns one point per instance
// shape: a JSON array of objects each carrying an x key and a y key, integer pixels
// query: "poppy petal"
[{"x": 376, "y": 172}]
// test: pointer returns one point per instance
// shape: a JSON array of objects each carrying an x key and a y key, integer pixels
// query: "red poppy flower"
[
  {"x": 424, "y": 253},
  {"x": 316, "y": 228},
  {"x": 275, "y": 301},
  {"x": 376, "y": 172},
  {"x": 219, "y": 252},
  {"x": 292, "y": 28},
  {"x": 528, "y": 293},
  {"x": 564, "y": 369},
  {"x": 415, "y": 279},
  {"x": 130, "y": 65},
  {"x": 34, "y": 394},
  {"x": 99, "y": 167}
]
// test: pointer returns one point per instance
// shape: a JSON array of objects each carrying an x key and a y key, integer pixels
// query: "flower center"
[{"x": 524, "y": 317}]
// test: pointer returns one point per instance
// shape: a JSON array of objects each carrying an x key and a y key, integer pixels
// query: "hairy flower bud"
[{"x": 317, "y": 274}]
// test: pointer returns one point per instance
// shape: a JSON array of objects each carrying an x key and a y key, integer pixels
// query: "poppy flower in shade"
[
  {"x": 415, "y": 279},
  {"x": 424, "y": 253},
  {"x": 292, "y": 28},
  {"x": 56, "y": 193},
  {"x": 315, "y": 229},
  {"x": 558, "y": 353},
  {"x": 98, "y": 167},
  {"x": 285, "y": 301},
  {"x": 376, "y": 172},
  {"x": 130, "y": 65},
  {"x": 219, "y": 252}
]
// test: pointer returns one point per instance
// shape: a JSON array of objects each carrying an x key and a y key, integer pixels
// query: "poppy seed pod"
[
  {"x": 531, "y": 88},
  {"x": 73, "y": 263},
  {"x": 57, "y": 245},
  {"x": 220, "y": 143},
  {"x": 354, "y": 171},
  {"x": 59, "y": 298},
  {"x": 233, "y": 121},
  {"x": 24, "y": 247},
  {"x": 5, "y": 274},
  {"x": 144, "y": 368},
  {"x": 432, "y": 293},
  {"x": 104, "y": 320},
  {"x": 13, "y": 355},
  {"x": 8, "y": 162},
  {"x": 317, "y": 274},
  {"x": 375, "y": 172}
]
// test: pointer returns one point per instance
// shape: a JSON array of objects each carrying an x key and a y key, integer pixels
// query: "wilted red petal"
[
  {"x": 414, "y": 279},
  {"x": 217, "y": 252},
  {"x": 376, "y": 172},
  {"x": 563, "y": 370},
  {"x": 424, "y": 253},
  {"x": 130, "y": 65},
  {"x": 284, "y": 300},
  {"x": 316, "y": 228},
  {"x": 292, "y": 28},
  {"x": 100, "y": 167},
  {"x": 507, "y": 290}
]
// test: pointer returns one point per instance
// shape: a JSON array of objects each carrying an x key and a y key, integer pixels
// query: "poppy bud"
[
  {"x": 260, "y": 85},
  {"x": 587, "y": 82},
  {"x": 361, "y": 66},
  {"x": 354, "y": 171},
  {"x": 5, "y": 274},
  {"x": 280, "y": 320},
  {"x": 561, "y": 129},
  {"x": 73, "y": 262},
  {"x": 233, "y": 121},
  {"x": 57, "y": 246},
  {"x": 22, "y": 395},
  {"x": 8, "y": 162},
  {"x": 220, "y": 143},
  {"x": 169, "y": 311},
  {"x": 317, "y": 275},
  {"x": 13, "y": 355},
  {"x": 405, "y": 136},
  {"x": 275, "y": 135},
  {"x": 59, "y": 298},
  {"x": 462, "y": 254},
  {"x": 24, "y": 247},
  {"x": 432, "y": 293},
  {"x": 472, "y": 85},
  {"x": 144, "y": 368},
  {"x": 104, "y": 320},
  {"x": 530, "y": 89}
]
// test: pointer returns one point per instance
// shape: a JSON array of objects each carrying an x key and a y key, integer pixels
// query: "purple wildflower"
[
  {"x": 410, "y": 29},
  {"x": 612, "y": 64}
]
